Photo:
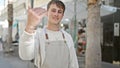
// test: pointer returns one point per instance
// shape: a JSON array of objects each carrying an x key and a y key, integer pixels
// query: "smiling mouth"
[{"x": 55, "y": 18}]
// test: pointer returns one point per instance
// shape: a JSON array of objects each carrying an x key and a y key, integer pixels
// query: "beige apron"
[{"x": 57, "y": 54}]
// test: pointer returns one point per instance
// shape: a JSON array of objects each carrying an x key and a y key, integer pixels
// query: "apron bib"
[{"x": 57, "y": 54}]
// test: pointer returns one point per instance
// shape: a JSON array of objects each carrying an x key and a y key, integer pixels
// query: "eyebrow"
[{"x": 58, "y": 10}]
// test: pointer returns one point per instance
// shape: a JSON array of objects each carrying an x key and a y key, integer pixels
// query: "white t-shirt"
[{"x": 54, "y": 35}]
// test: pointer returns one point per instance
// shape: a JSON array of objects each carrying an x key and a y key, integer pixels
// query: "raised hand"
[{"x": 34, "y": 17}]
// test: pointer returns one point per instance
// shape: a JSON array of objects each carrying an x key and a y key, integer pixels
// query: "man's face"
[{"x": 55, "y": 14}]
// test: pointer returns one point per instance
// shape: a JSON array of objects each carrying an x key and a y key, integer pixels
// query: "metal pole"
[
  {"x": 32, "y": 3},
  {"x": 75, "y": 24}
]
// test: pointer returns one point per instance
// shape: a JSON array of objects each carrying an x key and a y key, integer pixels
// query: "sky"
[
  {"x": 1, "y": 5},
  {"x": 1, "y": 2}
]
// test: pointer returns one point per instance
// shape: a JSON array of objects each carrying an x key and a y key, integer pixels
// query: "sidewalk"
[{"x": 13, "y": 61}]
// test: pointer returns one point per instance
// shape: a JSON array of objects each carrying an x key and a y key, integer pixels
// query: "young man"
[{"x": 51, "y": 47}]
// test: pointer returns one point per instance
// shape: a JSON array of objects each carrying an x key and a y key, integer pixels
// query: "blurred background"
[{"x": 13, "y": 15}]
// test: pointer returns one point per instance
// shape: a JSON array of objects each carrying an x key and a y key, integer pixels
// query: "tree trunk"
[
  {"x": 93, "y": 48},
  {"x": 8, "y": 44}
]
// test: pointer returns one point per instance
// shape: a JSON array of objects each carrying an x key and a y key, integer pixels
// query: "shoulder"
[
  {"x": 39, "y": 30},
  {"x": 66, "y": 34},
  {"x": 68, "y": 38},
  {"x": 39, "y": 33}
]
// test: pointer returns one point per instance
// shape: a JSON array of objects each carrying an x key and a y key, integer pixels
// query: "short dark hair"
[{"x": 59, "y": 4}]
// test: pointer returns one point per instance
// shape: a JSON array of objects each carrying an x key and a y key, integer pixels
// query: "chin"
[{"x": 55, "y": 22}]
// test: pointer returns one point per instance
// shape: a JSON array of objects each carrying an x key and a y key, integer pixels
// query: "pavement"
[{"x": 12, "y": 60}]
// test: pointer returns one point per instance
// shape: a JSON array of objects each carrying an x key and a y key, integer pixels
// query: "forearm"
[{"x": 26, "y": 46}]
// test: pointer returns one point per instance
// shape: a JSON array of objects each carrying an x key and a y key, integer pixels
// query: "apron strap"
[{"x": 46, "y": 35}]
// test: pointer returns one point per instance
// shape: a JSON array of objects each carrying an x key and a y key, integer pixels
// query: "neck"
[{"x": 53, "y": 27}]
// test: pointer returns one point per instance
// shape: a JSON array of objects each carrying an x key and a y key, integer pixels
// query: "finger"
[
  {"x": 39, "y": 10},
  {"x": 41, "y": 13},
  {"x": 29, "y": 7}
]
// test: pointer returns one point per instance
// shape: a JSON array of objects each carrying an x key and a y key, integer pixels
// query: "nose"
[{"x": 56, "y": 13}]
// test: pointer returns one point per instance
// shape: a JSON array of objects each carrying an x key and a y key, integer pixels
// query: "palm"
[{"x": 35, "y": 15}]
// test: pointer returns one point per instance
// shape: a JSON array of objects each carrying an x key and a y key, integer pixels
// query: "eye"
[
  {"x": 53, "y": 10},
  {"x": 60, "y": 11}
]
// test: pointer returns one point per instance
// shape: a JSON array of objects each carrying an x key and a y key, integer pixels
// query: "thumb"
[{"x": 29, "y": 7}]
